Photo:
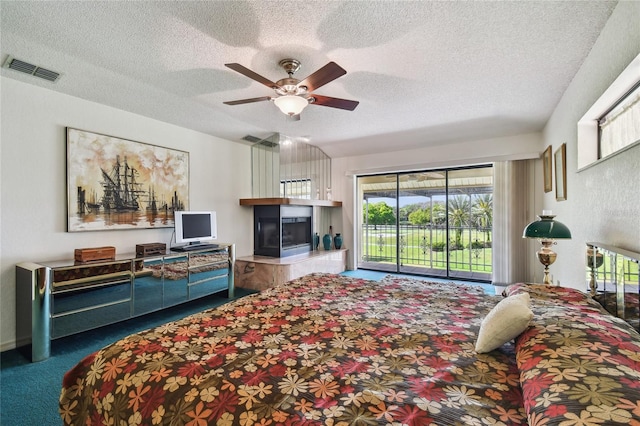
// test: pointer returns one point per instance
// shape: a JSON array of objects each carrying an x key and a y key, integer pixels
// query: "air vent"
[
  {"x": 34, "y": 70},
  {"x": 264, "y": 142},
  {"x": 251, "y": 139},
  {"x": 267, "y": 143}
]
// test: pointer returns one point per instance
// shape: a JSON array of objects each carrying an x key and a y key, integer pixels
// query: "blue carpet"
[
  {"x": 29, "y": 391},
  {"x": 377, "y": 276}
]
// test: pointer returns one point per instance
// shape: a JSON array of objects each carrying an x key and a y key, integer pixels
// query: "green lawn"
[{"x": 424, "y": 247}]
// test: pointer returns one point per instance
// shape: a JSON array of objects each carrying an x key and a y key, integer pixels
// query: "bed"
[
  {"x": 332, "y": 350},
  {"x": 578, "y": 364}
]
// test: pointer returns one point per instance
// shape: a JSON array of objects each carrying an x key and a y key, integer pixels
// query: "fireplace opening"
[
  {"x": 296, "y": 231},
  {"x": 281, "y": 231}
]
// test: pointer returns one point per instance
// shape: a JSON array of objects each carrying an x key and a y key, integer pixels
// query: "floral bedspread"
[
  {"x": 321, "y": 350},
  {"x": 579, "y": 366}
]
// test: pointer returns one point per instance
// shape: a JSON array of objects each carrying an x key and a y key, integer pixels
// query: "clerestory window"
[
  {"x": 612, "y": 124},
  {"x": 620, "y": 126},
  {"x": 296, "y": 188}
]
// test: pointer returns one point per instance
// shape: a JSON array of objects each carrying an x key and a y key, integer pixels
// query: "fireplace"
[{"x": 282, "y": 230}]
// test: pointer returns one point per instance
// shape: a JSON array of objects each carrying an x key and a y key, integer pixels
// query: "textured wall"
[
  {"x": 33, "y": 210},
  {"x": 519, "y": 147},
  {"x": 603, "y": 202}
]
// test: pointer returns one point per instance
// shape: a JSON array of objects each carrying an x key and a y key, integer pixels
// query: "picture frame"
[
  {"x": 561, "y": 172},
  {"x": 547, "y": 167},
  {"x": 116, "y": 184}
]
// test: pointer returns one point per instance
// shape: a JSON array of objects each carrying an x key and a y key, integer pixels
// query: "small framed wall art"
[
  {"x": 115, "y": 183},
  {"x": 561, "y": 172},
  {"x": 547, "y": 167}
]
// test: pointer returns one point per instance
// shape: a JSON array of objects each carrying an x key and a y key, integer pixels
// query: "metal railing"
[{"x": 425, "y": 246}]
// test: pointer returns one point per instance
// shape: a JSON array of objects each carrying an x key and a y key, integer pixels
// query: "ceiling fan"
[{"x": 293, "y": 95}]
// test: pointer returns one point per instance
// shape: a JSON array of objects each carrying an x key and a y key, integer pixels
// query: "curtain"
[
  {"x": 621, "y": 127},
  {"x": 511, "y": 201}
]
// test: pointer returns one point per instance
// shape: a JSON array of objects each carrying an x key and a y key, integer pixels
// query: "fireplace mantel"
[{"x": 288, "y": 201}]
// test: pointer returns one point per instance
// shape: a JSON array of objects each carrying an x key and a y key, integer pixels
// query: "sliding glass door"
[
  {"x": 434, "y": 223},
  {"x": 378, "y": 236},
  {"x": 422, "y": 222},
  {"x": 470, "y": 220}
]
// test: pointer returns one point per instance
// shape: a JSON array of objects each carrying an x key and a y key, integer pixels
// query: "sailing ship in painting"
[
  {"x": 117, "y": 184},
  {"x": 122, "y": 193}
]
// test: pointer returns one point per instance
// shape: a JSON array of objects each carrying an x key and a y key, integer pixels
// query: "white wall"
[
  {"x": 33, "y": 182},
  {"x": 603, "y": 202},
  {"x": 528, "y": 146}
]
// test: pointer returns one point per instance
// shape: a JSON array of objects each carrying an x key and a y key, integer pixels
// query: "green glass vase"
[
  {"x": 337, "y": 241},
  {"x": 326, "y": 241}
]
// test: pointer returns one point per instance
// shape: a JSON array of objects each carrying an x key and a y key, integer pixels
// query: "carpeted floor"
[
  {"x": 29, "y": 391},
  {"x": 377, "y": 276}
]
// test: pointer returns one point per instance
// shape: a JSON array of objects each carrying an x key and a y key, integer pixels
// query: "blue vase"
[
  {"x": 316, "y": 241},
  {"x": 326, "y": 241},
  {"x": 337, "y": 241}
]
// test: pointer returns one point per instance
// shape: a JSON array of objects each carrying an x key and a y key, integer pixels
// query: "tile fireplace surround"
[
  {"x": 259, "y": 272},
  {"x": 262, "y": 272}
]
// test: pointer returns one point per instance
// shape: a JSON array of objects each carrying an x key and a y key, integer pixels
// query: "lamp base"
[
  {"x": 594, "y": 261},
  {"x": 546, "y": 256}
]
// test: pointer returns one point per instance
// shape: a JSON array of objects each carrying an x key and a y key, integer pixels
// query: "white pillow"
[{"x": 504, "y": 322}]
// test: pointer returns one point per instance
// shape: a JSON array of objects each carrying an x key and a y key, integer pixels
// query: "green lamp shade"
[{"x": 546, "y": 229}]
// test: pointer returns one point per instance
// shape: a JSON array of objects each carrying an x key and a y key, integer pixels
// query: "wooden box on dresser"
[{"x": 57, "y": 299}]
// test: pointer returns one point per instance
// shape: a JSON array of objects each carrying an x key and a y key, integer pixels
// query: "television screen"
[{"x": 195, "y": 227}]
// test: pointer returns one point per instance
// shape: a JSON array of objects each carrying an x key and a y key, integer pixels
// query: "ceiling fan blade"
[
  {"x": 248, "y": 101},
  {"x": 252, "y": 75},
  {"x": 324, "y": 75},
  {"x": 334, "y": 102}
]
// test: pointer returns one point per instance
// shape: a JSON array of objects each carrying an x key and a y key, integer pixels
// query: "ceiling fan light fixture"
[
  {"x": 291, "y": 104},
  {"x": 293, "y": 95}
]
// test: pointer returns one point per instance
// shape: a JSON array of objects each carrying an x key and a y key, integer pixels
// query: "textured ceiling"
[{"x": 425, "y": 73}]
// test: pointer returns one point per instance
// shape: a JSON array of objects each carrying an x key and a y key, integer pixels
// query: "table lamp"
[{"x": 546, "y": 230}]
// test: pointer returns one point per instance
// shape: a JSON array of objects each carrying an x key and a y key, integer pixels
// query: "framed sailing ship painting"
[{"x": 115, "y": 183}]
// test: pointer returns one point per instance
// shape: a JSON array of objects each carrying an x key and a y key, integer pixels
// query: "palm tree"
[
  {"x": 483, "y": 213},
  {"x": 459, "y": 215}
]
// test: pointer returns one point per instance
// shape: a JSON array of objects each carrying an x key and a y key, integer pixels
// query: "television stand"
[
  {"x": 61, "y": 298},
  {"x": 191, "y": 247}
]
